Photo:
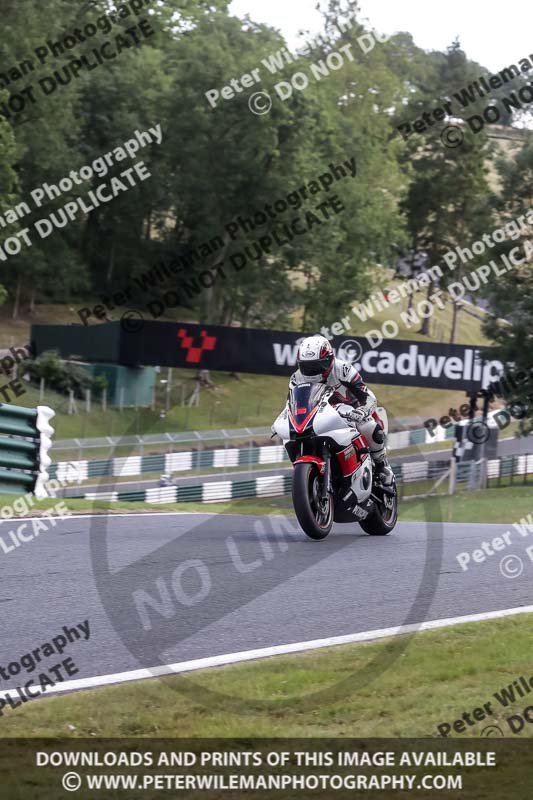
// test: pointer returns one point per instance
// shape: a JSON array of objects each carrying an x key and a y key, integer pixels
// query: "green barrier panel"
[
  {"x": 99, "y": 468},
  {"x": 21, "y": 445},
  {"x": 243, "y": 489},
  {"x": 132, "y": 497},
  {"x": 189, "y": 494},
  {"x": 17, "y": 453},
  {"x": 12, "y": 478},
  {"x": 249, "y": 455},
  {"x": 418, "y": 436},
  {"x": 16, "y": 460},
  {"x": 203, "y": 458},
  {"x": 14, "y": 427},
  {"x": 153, "y": 463},
  {"x": 24, "y": 464},
  {"x": 19, "y": 412}
]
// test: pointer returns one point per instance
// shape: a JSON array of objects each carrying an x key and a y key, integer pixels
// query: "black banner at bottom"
[{"x": 490, "y": 768}]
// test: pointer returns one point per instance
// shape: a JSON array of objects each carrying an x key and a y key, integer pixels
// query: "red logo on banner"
[{"x": 194, "y": 354}]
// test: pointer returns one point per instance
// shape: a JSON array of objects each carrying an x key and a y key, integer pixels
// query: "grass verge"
[
  {"x": 437, "y": 676},
  {"x": 269, "y": 505},
  {"x": 504, "y": 504}
]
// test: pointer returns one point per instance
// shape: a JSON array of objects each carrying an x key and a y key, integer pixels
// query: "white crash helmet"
[{"x": 315, "y": 358}]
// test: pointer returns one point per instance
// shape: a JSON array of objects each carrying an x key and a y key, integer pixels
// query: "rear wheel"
[
  {"x": 314, "y": 515},
  {"x": 384, "y": 515}
]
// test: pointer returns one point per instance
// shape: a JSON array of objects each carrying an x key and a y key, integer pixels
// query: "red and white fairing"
[{"x": 308, "y": 409}]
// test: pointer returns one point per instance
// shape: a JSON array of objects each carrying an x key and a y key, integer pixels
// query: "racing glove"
[{"x": 355, "y": 415}]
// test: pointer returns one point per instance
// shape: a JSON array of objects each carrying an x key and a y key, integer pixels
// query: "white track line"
[
  {"x": 267, "y": 652},
  {"x": 120, "y": 514}
]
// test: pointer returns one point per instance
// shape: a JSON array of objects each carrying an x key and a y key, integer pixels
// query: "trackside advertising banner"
[{"x": 396, "y": 362}]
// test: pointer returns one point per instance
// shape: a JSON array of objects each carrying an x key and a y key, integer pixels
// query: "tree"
[
  {"x": 447, "y": 202},
  {"x": 511, "y": 298}
]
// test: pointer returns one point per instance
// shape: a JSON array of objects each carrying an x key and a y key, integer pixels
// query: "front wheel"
[
  {"x": 384, "y": 515},
  {"x": 314, "y": 515}
]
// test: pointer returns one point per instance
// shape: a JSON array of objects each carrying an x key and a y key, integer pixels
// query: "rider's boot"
[
  {"x": 375, "y": 437},
  {"x": 383, "y": 469}
]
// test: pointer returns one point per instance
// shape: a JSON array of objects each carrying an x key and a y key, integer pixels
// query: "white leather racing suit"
[{"x": 351, "y": 390}]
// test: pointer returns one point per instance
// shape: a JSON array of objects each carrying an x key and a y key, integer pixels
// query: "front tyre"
[
  {"x": 314, "y": 515},
  {"x": 384, "y": 515}
]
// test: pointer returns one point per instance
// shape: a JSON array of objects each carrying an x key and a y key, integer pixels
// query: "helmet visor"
[{"x": 317, "y": 366}]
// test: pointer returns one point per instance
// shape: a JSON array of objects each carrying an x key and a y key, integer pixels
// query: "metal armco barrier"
[
  {"x": 397, "y": 440},
  {"x": 25, "y": 439},
  {"x": 216, "y": 459}
]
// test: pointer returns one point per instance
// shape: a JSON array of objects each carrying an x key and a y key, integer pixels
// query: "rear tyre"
[
  {"x": 383, "y": 516},
  {"x": 315, "y": 517}
]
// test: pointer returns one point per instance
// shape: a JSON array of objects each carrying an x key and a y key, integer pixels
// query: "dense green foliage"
[
  {"x": 216, "y": 164},
  {"x": 61, "y": 376}
]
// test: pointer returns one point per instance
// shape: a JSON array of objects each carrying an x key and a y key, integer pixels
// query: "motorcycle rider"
[{"x": 317, "y": 364}]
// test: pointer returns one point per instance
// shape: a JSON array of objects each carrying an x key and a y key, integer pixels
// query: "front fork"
[{"x": 326, "y": 483}]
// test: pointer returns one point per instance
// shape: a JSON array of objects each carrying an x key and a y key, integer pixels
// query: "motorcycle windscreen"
[{"x": 304, "y": 399}]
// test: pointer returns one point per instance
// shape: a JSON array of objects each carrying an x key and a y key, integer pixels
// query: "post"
[
  {"x": 121, "y": 400},
  {"x": 225, "y": 451},
  {"x": 104, "y": 398},
  {"x": 169, "y": 386},
  {"x": 483, "y": 461},
  {"x": 41, "y": 390},
  {"x": 453, "y": 476},
  {"x": 88, "y": 401},
  {"x": 472, "y": 481}
]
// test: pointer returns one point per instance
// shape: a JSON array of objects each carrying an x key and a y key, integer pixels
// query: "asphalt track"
[{"x": 254, "y": 583}]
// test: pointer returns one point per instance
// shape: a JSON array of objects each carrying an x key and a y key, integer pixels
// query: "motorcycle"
[{"x": 334, "y": 478}]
